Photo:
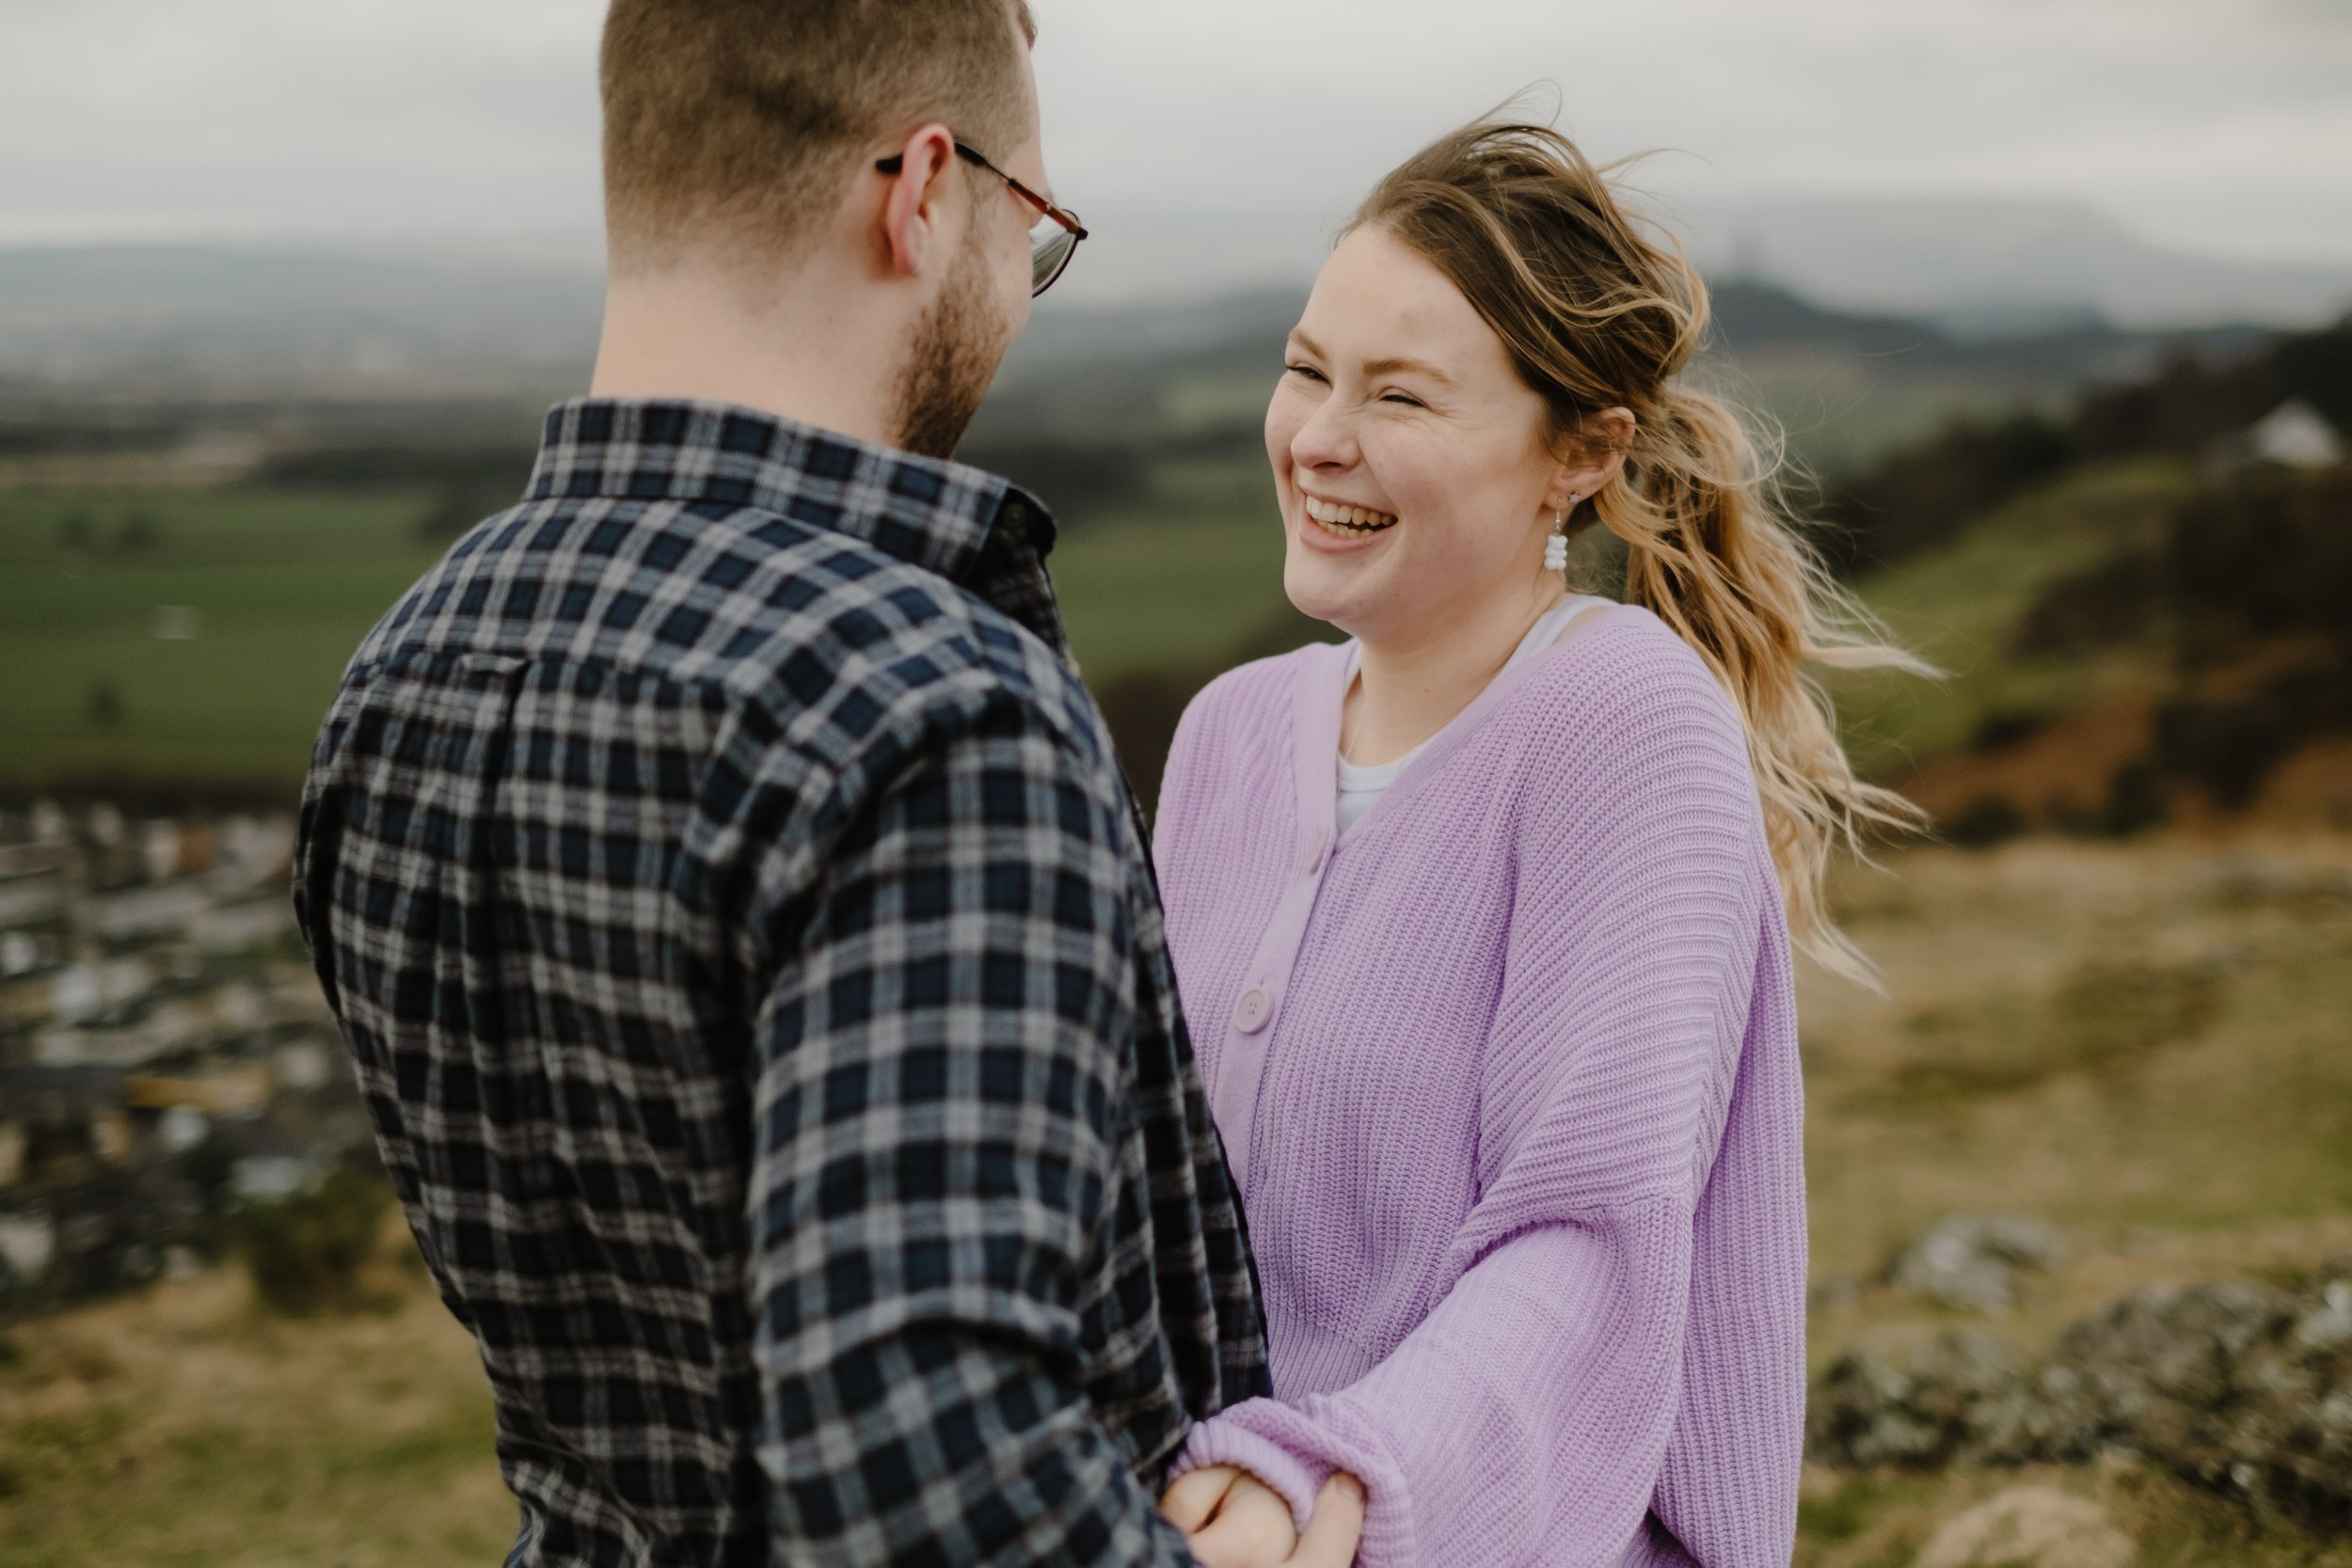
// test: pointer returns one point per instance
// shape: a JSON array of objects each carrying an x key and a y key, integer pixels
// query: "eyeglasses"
[{"x": 1052, "y": 239}]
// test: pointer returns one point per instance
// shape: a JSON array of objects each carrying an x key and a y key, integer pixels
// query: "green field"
[
  {"x": 1177, "y": 578},
  {"x": 206, "y": 655},
  {"x": 276, "y": 587}
]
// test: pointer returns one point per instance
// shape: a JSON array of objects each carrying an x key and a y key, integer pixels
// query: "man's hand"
[{"x": 1232, "y": 1519}]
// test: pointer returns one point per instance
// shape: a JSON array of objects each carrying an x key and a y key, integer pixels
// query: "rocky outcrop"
[
  {"x": 1972, "y": 1260},
  {"x": 2235, "y": 1385}
]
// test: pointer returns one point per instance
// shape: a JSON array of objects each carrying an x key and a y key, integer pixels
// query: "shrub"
[
  {"x": 1928, "y": 494},
  {"x": 305, "y": 1252},
  {"x": 140, "y": 532},
  {"x": 1990, "y": 819},
  {"x": 2006, "y": 728},
  {"x": 103, "y": 704},
  {"x": 2266, "y": 553},
  {"x": 2134, "y": 800},
  {"x": 2113, "y": 602}
]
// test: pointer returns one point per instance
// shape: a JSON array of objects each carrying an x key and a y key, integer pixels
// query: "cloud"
[
  {"x": 433, "y": 120},
  {"x": 361, "y": 118}
]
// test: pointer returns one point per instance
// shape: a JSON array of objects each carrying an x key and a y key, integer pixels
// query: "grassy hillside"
[{"x": 1961, "y": 605}]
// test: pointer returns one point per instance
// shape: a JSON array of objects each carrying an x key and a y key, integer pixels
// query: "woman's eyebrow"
[
  {"x": 1391, "y": 364},
  {"x": 1397, "y": 364}
]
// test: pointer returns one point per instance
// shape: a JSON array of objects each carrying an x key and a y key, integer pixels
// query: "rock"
[
  {"x": 2233, "y": 1386},
  {"x": 2029, "y": 1527},
  {"x": 1927, "y": 1409},
  {"x": 2164, "y": 1371},
  {"x": 1971, "y": 1260},
  {"x": 2329, "y": 1323},
  {"x": 2291, "y": 1442}
]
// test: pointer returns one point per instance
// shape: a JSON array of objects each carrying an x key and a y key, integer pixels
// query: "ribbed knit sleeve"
[{"x": 1616, "y": 1325}]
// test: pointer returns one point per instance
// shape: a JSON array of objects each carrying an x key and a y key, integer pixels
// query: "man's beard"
[{"x": 952, "y": 357}]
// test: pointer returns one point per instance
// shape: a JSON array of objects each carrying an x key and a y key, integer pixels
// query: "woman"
[{"x": 1483, "y": 918}]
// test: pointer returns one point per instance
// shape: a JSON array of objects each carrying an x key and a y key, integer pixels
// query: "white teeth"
[{"x": 1348, "y": 521}]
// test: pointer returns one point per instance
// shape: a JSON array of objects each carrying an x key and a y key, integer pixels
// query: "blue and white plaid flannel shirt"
[{"x": 750, "y": 959}]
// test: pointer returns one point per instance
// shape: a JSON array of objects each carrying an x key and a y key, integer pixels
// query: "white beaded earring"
[{"x": 1556, "y": 544}]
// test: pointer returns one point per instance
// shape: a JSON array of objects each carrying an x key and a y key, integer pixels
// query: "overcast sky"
[{"x": 2216, "y": 125}]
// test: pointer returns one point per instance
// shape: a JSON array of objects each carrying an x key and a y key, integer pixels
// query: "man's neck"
[
  {"x": 797, "y": 354},
  {"x": 1409, "y": 688}
]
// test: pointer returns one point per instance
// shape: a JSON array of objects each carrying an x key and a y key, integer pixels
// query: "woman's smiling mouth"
[{"x": 1346, "y": 522}]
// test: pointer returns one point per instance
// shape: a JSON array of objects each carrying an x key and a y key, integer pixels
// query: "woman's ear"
[{"x": 1595, "y": 458}]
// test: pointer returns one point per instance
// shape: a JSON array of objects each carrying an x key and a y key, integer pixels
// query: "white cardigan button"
[{"x": 1251, "y": 1011}]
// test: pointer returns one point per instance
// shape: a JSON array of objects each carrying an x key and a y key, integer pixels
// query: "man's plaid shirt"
[{"x": 751, "y": 964}]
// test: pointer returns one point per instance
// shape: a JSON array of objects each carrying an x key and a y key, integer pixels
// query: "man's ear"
[{"x": 910, "y": 213}]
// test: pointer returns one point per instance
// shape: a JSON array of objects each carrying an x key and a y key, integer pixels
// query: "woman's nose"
[{"x": 1327, "y": 440}]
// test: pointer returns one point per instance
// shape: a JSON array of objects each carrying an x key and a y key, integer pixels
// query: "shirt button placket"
[{"x": 1234, "y": 1098}]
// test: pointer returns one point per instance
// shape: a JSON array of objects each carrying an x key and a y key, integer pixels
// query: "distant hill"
[
  {"x": 1978, "y": 267},
  {"x": 189, "y": 320},
  {"x": 203, "y": 326},
  {"x": 1846, "y": 386},
  {"x": 1994, "y": 267}
]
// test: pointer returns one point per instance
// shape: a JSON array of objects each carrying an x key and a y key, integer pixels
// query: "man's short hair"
[{"x": 734, "y": 124}]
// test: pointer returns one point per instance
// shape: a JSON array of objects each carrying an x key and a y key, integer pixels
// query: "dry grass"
[
  {"x": 185, "y": 1427},
  {"x": 2144, "y": 1045},
  {"x": 2130, "y": 1042}
]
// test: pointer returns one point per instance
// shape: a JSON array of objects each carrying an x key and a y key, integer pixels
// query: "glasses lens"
[{"x": 1050, "y": 246}]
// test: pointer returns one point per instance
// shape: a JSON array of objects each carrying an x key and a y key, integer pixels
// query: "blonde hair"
[{"x": 1598, "y": 314}]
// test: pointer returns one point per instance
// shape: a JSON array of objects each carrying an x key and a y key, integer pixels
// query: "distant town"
[{"x": 165, "y": 1052}]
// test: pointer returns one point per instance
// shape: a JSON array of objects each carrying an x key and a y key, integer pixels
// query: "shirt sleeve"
[
  {"x": 1539, "y": 1412},
  {"x": 939, "y": 1119}
]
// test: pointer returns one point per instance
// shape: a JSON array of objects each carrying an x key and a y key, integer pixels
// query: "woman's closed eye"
[{"x": 1308, "y": 372}]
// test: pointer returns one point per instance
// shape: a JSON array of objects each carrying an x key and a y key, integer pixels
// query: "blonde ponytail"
[{"x": 1598, "y": 314}]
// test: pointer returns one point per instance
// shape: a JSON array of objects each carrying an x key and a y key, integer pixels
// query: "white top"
[{"x": 1359, "y": 787}]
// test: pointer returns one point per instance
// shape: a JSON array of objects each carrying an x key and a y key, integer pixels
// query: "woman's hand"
[{"x": 1232, "y": 1519}]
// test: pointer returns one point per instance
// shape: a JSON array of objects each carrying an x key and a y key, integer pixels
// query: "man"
[{"x": 729, "y": 895}]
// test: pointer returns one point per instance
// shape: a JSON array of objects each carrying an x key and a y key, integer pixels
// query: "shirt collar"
[{"x": 969, "y": 526}]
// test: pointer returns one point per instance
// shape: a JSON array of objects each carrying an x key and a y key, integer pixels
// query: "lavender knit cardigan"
[{"x": 1509, "y": 1076}]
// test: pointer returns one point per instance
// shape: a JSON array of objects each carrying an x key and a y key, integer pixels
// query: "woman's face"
[{"x": 1410, "y": 459}]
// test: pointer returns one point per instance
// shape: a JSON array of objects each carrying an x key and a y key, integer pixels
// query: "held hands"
[{"x": 1232, "y": 1519}]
